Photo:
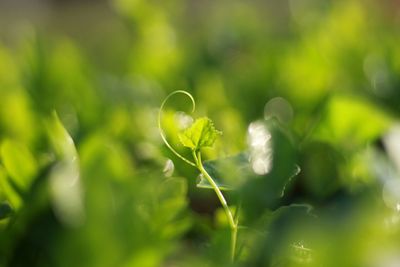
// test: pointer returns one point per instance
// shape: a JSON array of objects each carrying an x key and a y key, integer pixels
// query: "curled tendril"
[{"x": 161, "y": 131}]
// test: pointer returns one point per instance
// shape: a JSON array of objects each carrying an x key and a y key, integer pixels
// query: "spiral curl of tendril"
[{"x": 160, "y": 129}]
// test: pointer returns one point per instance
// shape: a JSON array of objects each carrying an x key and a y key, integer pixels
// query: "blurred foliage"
[{"x": 296, "y": 85}]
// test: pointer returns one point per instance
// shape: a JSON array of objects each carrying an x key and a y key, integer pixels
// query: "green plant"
[{"x": 201, "y": 133}]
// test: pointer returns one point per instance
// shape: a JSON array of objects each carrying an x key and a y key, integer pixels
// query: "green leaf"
[
  {"x": 286, "y": 227},
  {"x": 8, "y": 191},
  {"x": 228, "y": 173},
  {"x": 352, "y": 122},
  {"x": 65, "y": 184},
  {"x": 232, "y": 172},
  {"x": 19, "y": 163},
  {"x": 60, "y": 139},
  {"x": 264, "y": 192},
  {"x": 201, "y": 133},
  {"x": 203, "y": 183}
]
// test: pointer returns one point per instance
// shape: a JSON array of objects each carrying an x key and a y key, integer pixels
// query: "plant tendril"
[
  {"x": 232, "y": 219},
  {"x": 161, "y": 131}
]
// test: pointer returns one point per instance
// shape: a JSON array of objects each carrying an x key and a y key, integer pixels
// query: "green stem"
[
  {"x": 233, "y": 241},
  {"x": 228, "y": 212}
]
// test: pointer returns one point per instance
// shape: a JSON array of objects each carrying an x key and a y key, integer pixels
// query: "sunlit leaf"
[
  {"x": 201, "y": 133},
  {"x": 19, "y": 163},
  {"x": 65, "y": 184},
  {"x": 60, "y": 139},
  {"x": 352, "y": 121},
  {"x": 8, "y": 191}
]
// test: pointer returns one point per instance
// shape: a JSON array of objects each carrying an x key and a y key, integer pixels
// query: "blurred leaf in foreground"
[
  {"x": 65, "y": 184},
  {"x": 352, "y": 121},
  {"x": 20, "y": 164}
]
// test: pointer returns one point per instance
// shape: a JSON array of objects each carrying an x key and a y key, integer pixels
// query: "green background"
[{"x": 81, "y": 158}]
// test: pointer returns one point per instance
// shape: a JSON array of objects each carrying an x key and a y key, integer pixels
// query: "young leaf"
[{"x": 201, "y": 133}]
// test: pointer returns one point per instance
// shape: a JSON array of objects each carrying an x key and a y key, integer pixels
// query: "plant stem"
[
  {"x": 233, "y": 241},
  {"x": 228, "y": 212}
]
